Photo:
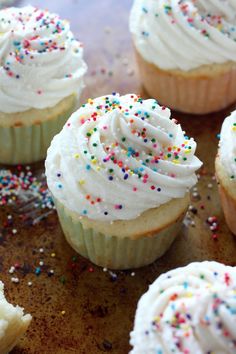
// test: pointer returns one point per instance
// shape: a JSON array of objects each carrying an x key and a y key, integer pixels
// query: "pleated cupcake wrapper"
[
  {"x": 197, "y": 95},
  {"x": 225, "y": 187},
  {"x": 111, "y": 251},
  {"x": 27, "y": 144},
  {"x": 228, "y": 204}
]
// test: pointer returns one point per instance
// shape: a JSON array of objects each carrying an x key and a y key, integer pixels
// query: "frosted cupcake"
[
  {"x": 13, "y": 323},
  {"x": 41, "y": 78},
  {"x": 226, "y": 170},
  {"x": 119, "y": 172},
  {"x": 186, "y": 51},
  {"x": 190, "y": 310}
]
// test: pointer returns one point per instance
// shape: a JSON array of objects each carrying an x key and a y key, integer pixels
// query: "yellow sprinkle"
[
  {"x": 53, "y": 255},
  {"x": 176, "y": 162},
  {"x": 189, "y": 294},
  {"x": 98, "y": 168},
  {"x": 94, "y": 162},
  {"x": 234, "y": 129},
  {"x": 185, "y": 327},
  {"x": 76, "y": 156},
  {"x": 63, "y": 312},
  {"x": 187, "y": 151},
  {"x": 82, "y": 181},
  {"x": 157, "y": 319},
  {"x": 209, "y": 285}
]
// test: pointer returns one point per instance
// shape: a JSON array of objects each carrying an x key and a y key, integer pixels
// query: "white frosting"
[
  {"x": 190, "y": 310},
  {"x": 227, "y": 145},
  {"x": 184, "y": 34},
  {"x": 118, "y": 157},
  {"x": 13, "y": 323},
  {"x": 40, "y": 60}
]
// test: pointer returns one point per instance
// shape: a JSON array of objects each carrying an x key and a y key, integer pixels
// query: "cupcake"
[
  {"x": 41, "y": 78},
  {"x": 225, "y": 165},
  {"x": 119, "y": 173},
  {"x": 186, "y": 52},
  {"x": 190, "y": 310},
  {"x": 13, "y": 323}
]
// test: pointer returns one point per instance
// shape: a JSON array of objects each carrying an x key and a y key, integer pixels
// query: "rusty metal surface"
[{"x": 82, "y": 308}]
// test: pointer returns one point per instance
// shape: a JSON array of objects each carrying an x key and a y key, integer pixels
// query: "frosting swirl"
[
  {"x": 119, "y": 156},
  {"x": 227, "y": 145},
  {"x": 184, "y": 34},
  {"x": 188, "y": 310},
  {"x": 40, "y": 60}
]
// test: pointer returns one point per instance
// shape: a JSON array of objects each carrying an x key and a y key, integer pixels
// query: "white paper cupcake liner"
[
  {"x": 27, "y": 144},
  {"x": 199, "y": 94},
  {"x": 115, "y": 252}
]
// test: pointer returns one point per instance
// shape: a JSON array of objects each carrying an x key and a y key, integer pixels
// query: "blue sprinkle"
[
  {"x": 185, "y": 285},
  {"x": 232, "y": 311},
  {"x": 38, "y": 271}
]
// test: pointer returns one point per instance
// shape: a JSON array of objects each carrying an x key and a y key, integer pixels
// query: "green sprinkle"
[{"x": 62, "y": 279}]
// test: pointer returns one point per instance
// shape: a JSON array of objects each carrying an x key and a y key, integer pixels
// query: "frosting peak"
[
  {"x": 184, "y": 34},
  {"x": 125, "y": 155},
  {"x": 227, "y": 146},
  {"x": 40, "y": 60},
  {"x": 190, "y": 310}
]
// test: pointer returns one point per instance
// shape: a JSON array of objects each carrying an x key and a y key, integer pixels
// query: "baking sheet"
[{"x": 76, "y": 306}]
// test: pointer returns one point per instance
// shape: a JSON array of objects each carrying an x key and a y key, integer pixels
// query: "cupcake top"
[
  {"x": 11, "y": 319},
  {"x": 184, "y": 34},
  {"x": 190, "y": 310},
  {"x": 119, "y": 156},
  {"x": 40, "y": 60},
  {"x": 227, "y": 145}
]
